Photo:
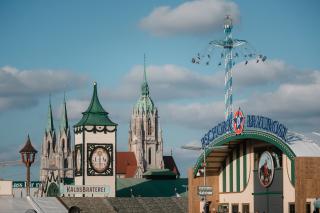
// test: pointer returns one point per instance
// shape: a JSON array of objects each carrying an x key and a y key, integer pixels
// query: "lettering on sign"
[
  {"x": 205, "y": 190},
  {"x": 73, "y": 189},
  {"x": 23, "y": 184},
  {"x": 252, "y": 122}
]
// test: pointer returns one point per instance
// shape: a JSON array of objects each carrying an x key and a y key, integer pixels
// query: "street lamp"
[
  {"x": 204, "y": 164},
  {"x": 28, "y": 155}
]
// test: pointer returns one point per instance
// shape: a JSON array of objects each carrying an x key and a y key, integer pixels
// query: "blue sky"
[{"x": 56, "y": 46}]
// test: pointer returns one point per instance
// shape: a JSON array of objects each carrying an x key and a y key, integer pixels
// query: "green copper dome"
[
  {"x": 95, "y": 115},
  {"x": 145, "y": 103}
]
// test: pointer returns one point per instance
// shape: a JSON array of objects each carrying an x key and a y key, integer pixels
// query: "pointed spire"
[
  {"x": 95, "y": 114},
  {"x": 144, "y": 86},
  {"x": 144, "y": 69},
  {"x": 64, "y": 116},
  {"x": 28, "y": 148},
  {"x": 50, "y": 126},
  {"x": 95, "y": 105}
]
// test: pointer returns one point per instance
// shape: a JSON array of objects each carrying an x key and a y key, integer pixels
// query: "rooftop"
[
  {"x": 95, "y": 115},
  {"x": 126, "y": 164}
]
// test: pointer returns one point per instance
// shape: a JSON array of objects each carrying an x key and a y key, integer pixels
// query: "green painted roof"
[
  {"x": 95, "y": 115},
  {"x": 159, "y": 172},
  {"x": 145, "y": 103},
  {"x": 151, "y": 188}
]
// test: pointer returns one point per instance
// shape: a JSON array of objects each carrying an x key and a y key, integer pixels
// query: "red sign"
[{"x": 238, "y": 122}]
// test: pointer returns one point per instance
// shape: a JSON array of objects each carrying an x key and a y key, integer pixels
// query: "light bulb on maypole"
[{"x": 230, "y": 50}]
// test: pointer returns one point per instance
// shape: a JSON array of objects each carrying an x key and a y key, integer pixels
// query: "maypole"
[{"x": 230, "y": 50}]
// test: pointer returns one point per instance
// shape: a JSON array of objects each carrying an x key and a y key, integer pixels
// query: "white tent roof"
[
  {"x": 303, "y": 146},
  {"x": 40, "y": 205}
]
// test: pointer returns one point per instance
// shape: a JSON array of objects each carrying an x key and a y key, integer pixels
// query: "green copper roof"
[
  {"x": 145, "y": 103},
  {"x": 64, "y": 117},
  {"x": 50, "y": 127},
  {"x": 151, "y": 188},
  {"x": 95, "y": 115},
  {"x": 159, "y": 172}
]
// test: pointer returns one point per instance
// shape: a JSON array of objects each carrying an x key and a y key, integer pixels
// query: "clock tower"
[{"x": 95, "y": 148}]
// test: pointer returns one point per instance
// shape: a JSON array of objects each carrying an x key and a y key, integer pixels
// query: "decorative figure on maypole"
[{"x": 232, "y": 51}]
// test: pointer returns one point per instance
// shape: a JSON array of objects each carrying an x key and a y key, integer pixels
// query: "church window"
[
  {"x": 149, "y": 126},
  {"x": 63, "y": 144},
  {"x": 149, "y": 155},
  {"x": 65, "y": 163},
  {"x": 48, "y": 148}
]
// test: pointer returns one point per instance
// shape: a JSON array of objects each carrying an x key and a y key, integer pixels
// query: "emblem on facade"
[
  {"x": 78, "y": 160},
  {"x": 266, "y": 169},
  {"x": 100, "y": 159},
  {"x": 238, "y": 122}
]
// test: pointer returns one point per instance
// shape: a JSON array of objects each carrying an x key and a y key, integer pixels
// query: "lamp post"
[
  {"x": 204, "y": 164},
  {"x": 28, "y": 155}
]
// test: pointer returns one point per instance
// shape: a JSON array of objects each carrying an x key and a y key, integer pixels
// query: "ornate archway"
[
  {"x": 248, "y": 134},
  {"x": 53, "y": 190}
]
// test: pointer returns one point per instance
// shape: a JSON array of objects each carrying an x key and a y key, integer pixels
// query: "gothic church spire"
[
  {"x": 144, "y": 86},
  {"x": 50, "y": 127},
  {"x": 64, "y": 116}
]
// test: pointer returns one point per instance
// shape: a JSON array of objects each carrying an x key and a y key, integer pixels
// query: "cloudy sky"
[{"x": 52, "y": 47}]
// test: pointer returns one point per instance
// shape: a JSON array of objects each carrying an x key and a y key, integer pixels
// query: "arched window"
[
  {"x": 149, "y": 126},
  {"x": 66, "y": 163},
  {"x": 149, "y": 155},
  {"x": 48, "y": 148},
  {"x": 63, "y": 145}
]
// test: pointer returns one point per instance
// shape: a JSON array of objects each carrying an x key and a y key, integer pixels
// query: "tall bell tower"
[
  {"x": 49, "y": 147},
  {"x": 64, "y": 149},
  {"x": 145, "y": 136},
  {"x": 95, "y": 147}
]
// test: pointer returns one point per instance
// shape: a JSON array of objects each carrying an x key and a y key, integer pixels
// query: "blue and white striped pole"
[{"x": 228, "y": 45}]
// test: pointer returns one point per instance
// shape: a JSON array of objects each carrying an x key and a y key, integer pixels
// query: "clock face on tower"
[{"x": 100, "y": 160}]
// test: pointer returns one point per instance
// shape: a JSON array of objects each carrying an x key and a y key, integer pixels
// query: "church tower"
[
  {"x": 145, "y": 138},
  {"x": 48, "y": 146},
  {"x": 64, "y": 148},
  {"x": 95, "y": 148},
  {"x": 56, "y": 158}
]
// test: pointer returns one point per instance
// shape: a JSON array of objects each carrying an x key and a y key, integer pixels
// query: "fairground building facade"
[{"x": 254, "y": 164}]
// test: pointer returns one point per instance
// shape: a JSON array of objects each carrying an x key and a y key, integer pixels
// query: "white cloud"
[
  {"x": 191, "y": 17},
  {"x": 295, "y": 104},
  {"x": 166, "y": 82},
  {"x": 292, "y": 97},
  {"x": 75, "y": 108},
  {"x": 22, "y": 88},
  {"x": 193, "y": 115},
  {"x": 256, "y": 74}
]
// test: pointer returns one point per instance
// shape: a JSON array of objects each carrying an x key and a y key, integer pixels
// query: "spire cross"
[
  {"x": 144, "y": 86},
  {"x": 144, "y": 69}
]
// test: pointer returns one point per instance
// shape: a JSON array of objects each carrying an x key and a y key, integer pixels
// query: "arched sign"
[
  {"x": 266, "y": 169},
  {"x": 239, "y": 123}
]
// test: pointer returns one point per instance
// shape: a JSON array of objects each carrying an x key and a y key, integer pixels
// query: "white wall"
[
  {"x": 288, "y": 189},
  {"x": 5, "y": 187},
  {"x": 109, "y": 138},
  {"x": 246, "y": 195}
]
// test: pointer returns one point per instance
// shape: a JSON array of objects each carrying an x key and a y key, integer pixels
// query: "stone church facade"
[
  {"x": 145, "y": 135},
  {"x": 56, "y": 153}
]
